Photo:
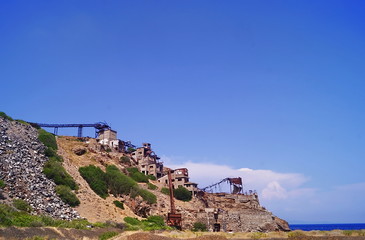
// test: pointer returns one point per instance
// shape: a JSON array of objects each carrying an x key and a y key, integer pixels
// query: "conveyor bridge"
[{"x": 98, "y": 127}]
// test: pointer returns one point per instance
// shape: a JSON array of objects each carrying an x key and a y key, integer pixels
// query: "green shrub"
[
  {"x": 157, "y": 220},
  {"x": 50, "y": 152},
  {"x": 67, "y": 196},
  {"x": 96, "y": 179},
  {"x": 55, "y": 171},
  {"x": 165, "y": 191},
  {"x": 119, "y": 204},
  {"x": 107, "y": 235},
  {"x": 24, "y": 220},
  {"x": 151, "y": 186},
  {"x": 2, "y": 184},
  {"x": 5, "y": 215},
  {"x": 199, "y": 227},
  {"x": 151, "y": 177},
  {"x": 3, "y": 115},
  {"x": 137, "y": 175},
  {"x": 11, "y": 217},
  {"x": 125, "y": 160},
  {"x": 147, "y": 196},
  {"x": 48, "y": 139},
  {"x": 132, "y": 221},
  {"x": 151, "y": 223},
  {"x": 22, "y": 205},
  {"x": 183, "y": 194},
  {"x": 119, "y": 183}
]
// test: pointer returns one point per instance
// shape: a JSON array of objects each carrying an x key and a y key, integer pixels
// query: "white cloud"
[
  {"x": 269, "y": 184},
  {"x": 284, "y": 193}
]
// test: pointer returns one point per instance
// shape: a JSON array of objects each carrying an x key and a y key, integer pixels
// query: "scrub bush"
[
  {"x": 48, "y": 139},
  {"x": 96, "y": 179},
  {"x": 22, "y": 205},
  {"x": 67, "y": 196},
  {"x": 137, "y": 175},
  {"x": 55, "y": 171},
  {"x": 183, "y": 194}
]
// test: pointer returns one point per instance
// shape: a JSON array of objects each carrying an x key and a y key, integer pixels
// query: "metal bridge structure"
[
  {"x": 100, "y": 126},
  {"x": 236, "y": 185}
]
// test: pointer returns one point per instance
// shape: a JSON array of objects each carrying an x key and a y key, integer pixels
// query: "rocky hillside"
[
  {"x": 21, "y": 164},
  {"x": 22, "y": 160}
]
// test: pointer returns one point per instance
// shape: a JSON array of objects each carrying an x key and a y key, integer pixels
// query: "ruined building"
[
  {"x": 147, "y": 161},
  {"x": 180, "y": 177},
  {"x": 108, "y": 138}
]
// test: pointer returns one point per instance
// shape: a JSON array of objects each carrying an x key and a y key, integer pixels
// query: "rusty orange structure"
[{"x": 173, "y": 219}]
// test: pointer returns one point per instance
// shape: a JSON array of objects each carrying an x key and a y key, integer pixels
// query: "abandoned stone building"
[
  {"x": 147, "y": 161},
  {"x": 109, "y": 138},
  {"x": 180, "y": 177}
]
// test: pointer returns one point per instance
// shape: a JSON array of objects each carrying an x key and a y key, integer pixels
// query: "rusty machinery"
[
  {"x": 235, "y": 185},
  {"x": 216, "y": 225},
  {"x": 173, "y": 218}
]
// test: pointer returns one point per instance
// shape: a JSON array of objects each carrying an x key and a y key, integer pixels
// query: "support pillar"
[{"x": 79, "y": 132}]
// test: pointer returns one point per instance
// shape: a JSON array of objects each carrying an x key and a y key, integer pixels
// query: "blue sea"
[{"x": 327, "y": 227}]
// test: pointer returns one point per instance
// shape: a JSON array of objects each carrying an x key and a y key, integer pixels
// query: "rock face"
[
  {"x": 238, "y": 213},
  {"x": 21, "y": 165}
]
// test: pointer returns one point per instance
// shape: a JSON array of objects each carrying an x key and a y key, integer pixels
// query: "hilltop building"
[{"x": 108, "y": 138}]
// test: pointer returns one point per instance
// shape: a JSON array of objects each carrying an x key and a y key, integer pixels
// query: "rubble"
[{"x": 21, "y": 165}]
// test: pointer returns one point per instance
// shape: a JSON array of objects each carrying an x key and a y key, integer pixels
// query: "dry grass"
[{"x": 294, "y": 235}]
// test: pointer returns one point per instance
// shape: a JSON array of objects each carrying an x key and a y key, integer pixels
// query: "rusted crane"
[{"x": 173, "y": 219}]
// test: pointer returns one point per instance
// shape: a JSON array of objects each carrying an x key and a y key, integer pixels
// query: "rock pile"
[{"x": 21, "y": 165}]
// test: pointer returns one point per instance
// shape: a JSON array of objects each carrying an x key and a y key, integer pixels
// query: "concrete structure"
[
  {"x": 147, "y": 161},
  {"x": 180, "y": 177},
  {"x": 108, "y": 137}
]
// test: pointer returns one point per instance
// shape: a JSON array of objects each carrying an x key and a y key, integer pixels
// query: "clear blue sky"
[{"x": 264, "y": 85}]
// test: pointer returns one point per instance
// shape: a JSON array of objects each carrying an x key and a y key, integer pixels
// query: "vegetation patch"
[
  {"x": 107, "y": 235},
  {"x": 296, "y": 234},
  {"x": 3, "y": 115},
  {"x": 22, "y": 205},
  {"x": 22, "y": 122},
  {"x": 199, "y": 227},
  {"x": 2, "y": 184},
  {"x": 125, "y": 160},
  {"x": 165, "y": 191},
  {"x": 151, "y": 186},
  {"x": 96, "y": 179},
  {"x": 54, "y": 170},
  {"x": 149, "y": 224},
  {"x": 119, "y": 183},
  {"x": 151, "y": 177},
  {"x": 137, "y": 175},
  {"x": 11, "y": 217},
  {"x": 258, "y": 235},
  {"x": 119, "y": 204},
  {"x": 183, "y": 194},
  {"x": 147, "y": 196},
  {"x": 67, "y": 195},
  {"x": 48, "y": 139}
]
